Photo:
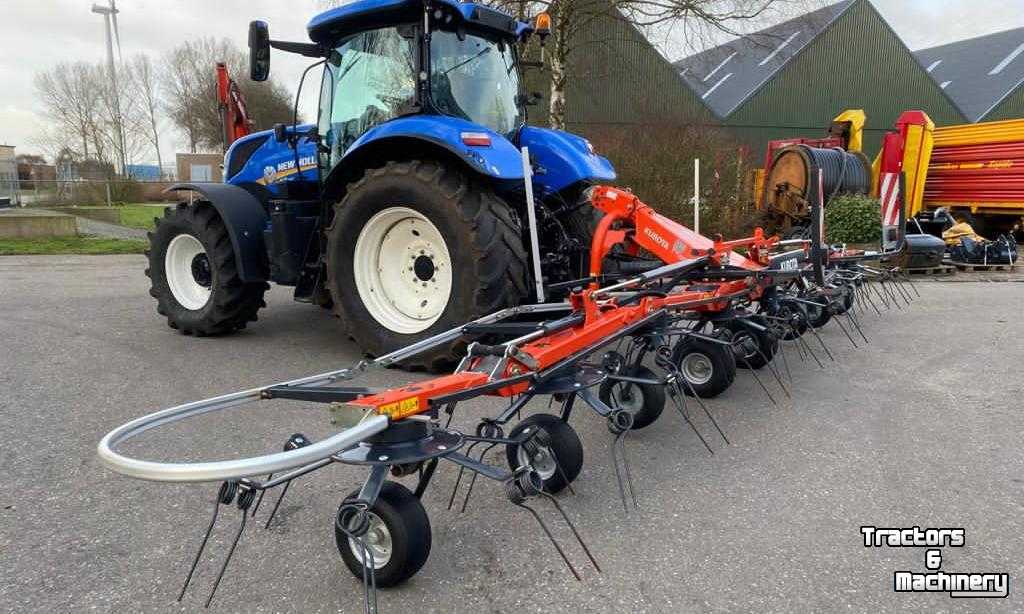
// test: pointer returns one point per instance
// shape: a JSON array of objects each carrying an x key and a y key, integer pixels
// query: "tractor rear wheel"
[
  {"x": 193, "y": 273},
  {"x": 416, "y": 248}
]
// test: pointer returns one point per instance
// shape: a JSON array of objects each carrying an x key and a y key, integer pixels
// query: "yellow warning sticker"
[{"x": 401, "y": 409}]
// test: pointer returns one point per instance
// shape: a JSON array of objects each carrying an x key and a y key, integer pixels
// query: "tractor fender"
[
  {"x": 562, "y": 159},
  {"x": 424, "y": 136},
  {"x": 245, "y": 219}
]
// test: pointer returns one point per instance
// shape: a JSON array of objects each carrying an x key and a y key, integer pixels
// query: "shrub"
[
  {"x": 853, "y": 218},
  {"x": 656, "y": 162}
]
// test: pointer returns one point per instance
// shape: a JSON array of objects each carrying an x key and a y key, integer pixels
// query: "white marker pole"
[
  {"x": 531, "y": 214},
  {"x": 696, "y": 195}
]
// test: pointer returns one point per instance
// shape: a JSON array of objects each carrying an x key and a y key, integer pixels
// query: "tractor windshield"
[{"x": 476, "y": 79}]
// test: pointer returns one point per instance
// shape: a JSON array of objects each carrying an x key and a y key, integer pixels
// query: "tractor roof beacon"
[{"x": 403, "y": 208}]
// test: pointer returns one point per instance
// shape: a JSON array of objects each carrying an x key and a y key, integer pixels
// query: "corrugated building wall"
[
  {"x": 856, "y": 63},
  {"x": 617, "y": 78},
  {"x": 1012, "y": 107}
]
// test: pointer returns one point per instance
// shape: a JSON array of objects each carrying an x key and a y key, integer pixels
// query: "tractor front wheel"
[
  {"x": 416, "y": 248},
  {"x": 194, "y": 276}
]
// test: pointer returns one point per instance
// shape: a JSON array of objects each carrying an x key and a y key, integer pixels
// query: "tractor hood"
[{"x": 361, "y": 15}]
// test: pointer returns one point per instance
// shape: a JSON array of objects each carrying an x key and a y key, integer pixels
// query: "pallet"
[
  {"x": 966, "y": 266},
  {"x": 941, "y": 270}
]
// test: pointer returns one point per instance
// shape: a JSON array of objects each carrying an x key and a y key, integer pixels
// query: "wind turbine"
[{"x": 110, "y": 21}]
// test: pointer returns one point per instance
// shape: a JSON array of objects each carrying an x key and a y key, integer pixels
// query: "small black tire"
[
  {"x": 710, "y": 368},
  {"x": 818, "y": 310},
  {"x": 791, "y": 311},
  {"x": 644, "y": 401},
  {"x": 479, "y": 243},
  {"x": 229, "y": 303},
  {"x": 565, "y": 447},
  {"x": 408, "y": 529},
  {"x": 753, "y": 348},
  {"x": 844, "y": 301}
]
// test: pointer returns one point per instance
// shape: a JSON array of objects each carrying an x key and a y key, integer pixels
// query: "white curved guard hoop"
[
  {"x": 280, "y": 461},
  {"x": 228, "y": 469}
]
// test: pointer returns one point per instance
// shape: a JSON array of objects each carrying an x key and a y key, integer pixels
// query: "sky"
[{"x": 36, "y": 34}]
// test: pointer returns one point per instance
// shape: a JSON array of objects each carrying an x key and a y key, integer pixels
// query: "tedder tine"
[
  {"x": 677, "y": 396},
  {"x": 518, "y": 489},
  {"x": 856, "y": 324},
  {"x": 845, "y": 332},
  {"x": 771, "y": 367},
  {"x": 245, "y": 499},
  {"x": 572, "y": 527},
  {"x": 822, "y": 342},
  {"x": 225, "y": 496}
]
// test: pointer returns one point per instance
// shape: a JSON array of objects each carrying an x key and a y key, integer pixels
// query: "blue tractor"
[{"x": 404, "y": 208}]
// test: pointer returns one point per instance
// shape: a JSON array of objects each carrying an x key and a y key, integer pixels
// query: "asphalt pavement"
[{"x": 923, "y": 427}]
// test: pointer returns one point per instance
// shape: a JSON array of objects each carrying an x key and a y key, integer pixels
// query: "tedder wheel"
[
  {"x": 565, "y": 448},
  {"x": 819, "y": 313},
  {"x": 795, "y": 311},
  {"x": 416, "y": 248},
  {"x": 709, "y": 367},
  {"x": 644, "y": 401},
  {"x": 193, "y": 273},
  {"x": 756, "y": 346},
  {"x": 398, "y": 537},
  {"x": 846, "y": 298}
]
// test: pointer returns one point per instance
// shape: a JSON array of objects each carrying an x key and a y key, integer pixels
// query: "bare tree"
[
  {"x": 191, "y": 96},
  {"x": 122, "y": 125},
  {"x": 72, "y": 99},
  {"x": 145, "y": 88}
]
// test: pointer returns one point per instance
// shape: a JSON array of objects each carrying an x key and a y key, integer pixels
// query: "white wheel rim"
[
  {"x": 697, "y": 368},
  {"x": 403, "y": 270},
  {"x": 184, "y": 254},
  {"x": 543, "y": 462},
  {"x": 378, "y": 541}
]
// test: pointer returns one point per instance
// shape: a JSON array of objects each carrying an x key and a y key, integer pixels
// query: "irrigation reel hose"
[{"x": 791, "y": 182}]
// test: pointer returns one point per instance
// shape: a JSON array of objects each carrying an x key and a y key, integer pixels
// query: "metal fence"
[{"x": 102, "y": 192}]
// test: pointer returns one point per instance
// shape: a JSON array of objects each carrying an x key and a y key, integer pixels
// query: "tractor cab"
[{"x": 462, "y": 65}]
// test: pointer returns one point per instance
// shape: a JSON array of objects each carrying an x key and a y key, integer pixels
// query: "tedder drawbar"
[{"x": 655, "y": 289}]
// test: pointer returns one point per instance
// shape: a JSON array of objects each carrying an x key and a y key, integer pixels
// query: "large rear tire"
[
  {"x": 416, "y": 248},
  {"x": 194, "y": 276}
]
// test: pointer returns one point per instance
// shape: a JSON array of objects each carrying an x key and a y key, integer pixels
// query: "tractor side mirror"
[{"x": 259, "y": 50}]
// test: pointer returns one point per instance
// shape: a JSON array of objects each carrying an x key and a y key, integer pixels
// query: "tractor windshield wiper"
[{"x": 467, "y": 60}]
